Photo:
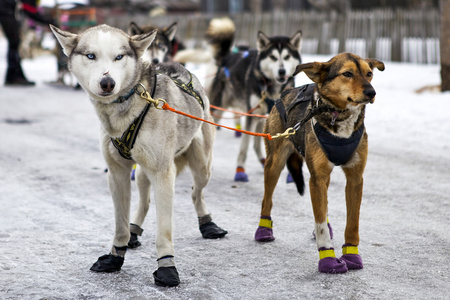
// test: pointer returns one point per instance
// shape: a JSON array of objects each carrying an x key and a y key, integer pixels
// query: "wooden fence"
[{"x": 390, "y": 35}]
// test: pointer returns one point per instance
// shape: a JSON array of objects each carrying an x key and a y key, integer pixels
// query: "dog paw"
[
  {"x": 133, "y": 242},
  {"x": 332, "y": 265},
  {"x": 237, "y": 134},
  {"x": 108, "y": 263},
  {"x": 351, "y": 257},
  {"x": 353, "y": 261},
  {"x": 241, "y": 175},
  {"x": 211, "y": 231},
  {"x": 263, "y": 161},
  {"x": 166, "y": 276},
  {"x": 264, "y": 234},
  {"x": 289, "y": 178}
]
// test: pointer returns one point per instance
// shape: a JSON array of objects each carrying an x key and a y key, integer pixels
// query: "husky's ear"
[
  {"x": 316, "y": 71},
  {"x": 296, "y": 40},
  {"x": 67, "y": 40},
  {"x": 170, "y": 31},
  {"x": 141, "y": 42},
  {"x": 134, "y": 29},
  {"x": 373, "y": 63},
  {"x": 262, "y": 42}
]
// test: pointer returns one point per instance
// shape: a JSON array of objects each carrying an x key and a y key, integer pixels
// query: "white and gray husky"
[
  {"x": 250, "y": 78},
  {"x": 106, "y": 61}
]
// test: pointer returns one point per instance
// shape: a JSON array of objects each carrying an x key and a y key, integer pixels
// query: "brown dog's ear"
[
  {"x": 315, "y": 71},
  {"x": 373, "y": 63}
]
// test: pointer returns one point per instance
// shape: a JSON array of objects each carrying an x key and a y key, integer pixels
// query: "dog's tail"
[
  {"x": 220, "y": 35},
  {"x": 294, "y": 165}
]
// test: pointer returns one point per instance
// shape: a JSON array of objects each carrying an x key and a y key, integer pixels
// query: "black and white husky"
[
  {"x": 106, "y": 62},
  {"x": 165, "y": 44},
  {"x": 250, "y": 79}
]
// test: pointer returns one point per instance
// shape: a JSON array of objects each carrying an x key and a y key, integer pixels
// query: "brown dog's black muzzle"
[{"x": 370, "y": 93}]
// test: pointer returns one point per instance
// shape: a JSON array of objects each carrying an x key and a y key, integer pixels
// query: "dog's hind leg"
[
  {"x": 120, "y": 188},
  {"x": 199, "y": 156},
  {"x": 136, "y": 230},
  {"x": 276, "y": 160}
]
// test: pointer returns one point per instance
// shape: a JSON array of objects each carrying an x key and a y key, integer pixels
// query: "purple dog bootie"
[
  {"x": 240, "y": 175},
  {"x": 351, "y": 257},
  {"x": 264, "y": 233},
  {"x": 328, "y": 262}
]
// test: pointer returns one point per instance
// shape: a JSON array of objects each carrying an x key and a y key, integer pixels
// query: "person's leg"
[{"x": 14, "y": 73}]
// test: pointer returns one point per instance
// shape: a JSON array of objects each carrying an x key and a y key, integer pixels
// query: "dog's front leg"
[
  {"x": 353, "y": 198},
  {"x": 320, "y": 170},
  {"x": 164, "y": 183},
  {"x": 136, "y": 230},
  {"x": 120, "y": 188}
]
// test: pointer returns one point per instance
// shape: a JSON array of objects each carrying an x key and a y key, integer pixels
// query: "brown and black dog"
[{"x": 328, "y": 118}]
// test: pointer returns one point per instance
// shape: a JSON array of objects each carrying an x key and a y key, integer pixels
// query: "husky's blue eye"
[
  {"x": 119, "y": 57},
  {"x": 272, "y": 57},
  {"x": 90, "y": 56},
  {"x": 348, "y": 74}
]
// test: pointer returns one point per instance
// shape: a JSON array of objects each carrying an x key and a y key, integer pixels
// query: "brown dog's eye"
[
  {"x": 348, "y": 74},
  {"x": 369, "y": 74}
]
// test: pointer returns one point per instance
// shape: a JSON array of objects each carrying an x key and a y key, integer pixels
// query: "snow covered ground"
[{"x": 56, "y": 215}]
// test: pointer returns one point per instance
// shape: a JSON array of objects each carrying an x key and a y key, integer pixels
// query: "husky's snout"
[
  {"x": 282, "y": 78},
  {"x": 107, "y": 84}
]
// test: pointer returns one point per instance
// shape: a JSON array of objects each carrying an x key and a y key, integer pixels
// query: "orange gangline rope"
[
  {"x": 249, "y": 113},
  {"x": 168, "y": 107}
]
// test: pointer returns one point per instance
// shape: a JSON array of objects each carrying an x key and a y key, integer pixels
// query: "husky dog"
[
  {"x": 165, "y": 45},
  {"x": 106, "y": 61},
  {"x": 328, "y": 118},
  {"x": 251, "y": 79}
]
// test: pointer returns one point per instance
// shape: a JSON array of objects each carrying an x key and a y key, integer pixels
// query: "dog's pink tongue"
[{"x": 334, "y": 116}]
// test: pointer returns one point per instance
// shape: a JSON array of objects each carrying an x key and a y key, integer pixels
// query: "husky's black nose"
[
  {"x": 282, "y": 72},
  {"x": 107, "y": 84},
  {"x": 155, "y": 61}
]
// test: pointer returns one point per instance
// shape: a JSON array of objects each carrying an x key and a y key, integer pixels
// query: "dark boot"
[{"x": 14, "y": 73}]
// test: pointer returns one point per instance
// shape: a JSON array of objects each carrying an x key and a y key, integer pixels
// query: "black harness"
[
  {"x": 125, "y": 143},
  {"x": 338, "y": 150}
]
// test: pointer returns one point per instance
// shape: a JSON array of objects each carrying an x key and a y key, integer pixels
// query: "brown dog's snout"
[
  {"x": 107, "y": 84},
  {"x": 369, "y": 92}
]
